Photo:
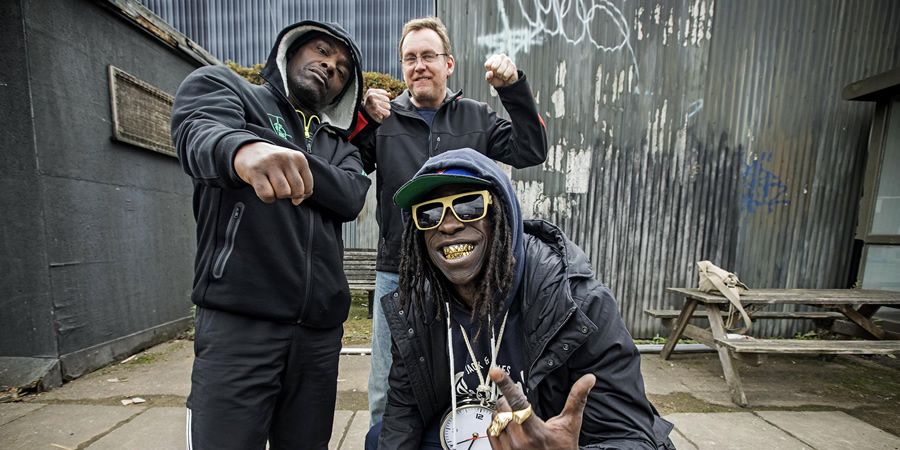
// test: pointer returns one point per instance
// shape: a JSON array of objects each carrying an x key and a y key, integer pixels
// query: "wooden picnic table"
[{"x": 856, "y": 305}]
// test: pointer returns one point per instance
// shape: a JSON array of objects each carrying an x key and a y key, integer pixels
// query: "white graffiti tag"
[{"x": 550, "y": 18}]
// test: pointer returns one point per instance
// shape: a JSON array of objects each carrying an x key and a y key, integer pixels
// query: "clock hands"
[{"x": 474, "y": 437}]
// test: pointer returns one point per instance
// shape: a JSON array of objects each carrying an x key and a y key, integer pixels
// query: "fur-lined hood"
[{"x": 343, "y": 113}]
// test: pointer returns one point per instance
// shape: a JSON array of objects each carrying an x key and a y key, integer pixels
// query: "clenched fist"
[
  {"x": 378, "y": 104},
  {"x": 500, "y": 71},
  {"x": 274, "y": 172}
]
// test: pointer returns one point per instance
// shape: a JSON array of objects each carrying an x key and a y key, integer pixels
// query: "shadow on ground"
[{"x": 865, "y": 387}]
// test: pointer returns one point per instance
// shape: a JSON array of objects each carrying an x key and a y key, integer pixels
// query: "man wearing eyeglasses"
[
  {"x": 426, "y": 120},
  {"x": 502, "y": 338}
]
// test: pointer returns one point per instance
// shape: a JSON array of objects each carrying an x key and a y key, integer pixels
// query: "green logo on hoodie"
[{"x": 278, "y": 125}]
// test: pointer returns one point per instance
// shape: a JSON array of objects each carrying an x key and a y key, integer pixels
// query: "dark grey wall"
[
  {"x": 104, "y": 236},
  {"x": 26, "y": 326}
]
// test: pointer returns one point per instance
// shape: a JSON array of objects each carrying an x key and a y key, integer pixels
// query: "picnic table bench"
[
  {"x": 849, "y": 314},
  {"x": 359, "y": 268},
  {"x": 824, "y": 318}
]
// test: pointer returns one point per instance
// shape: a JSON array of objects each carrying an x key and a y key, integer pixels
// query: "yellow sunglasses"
[{"x": 467, "y": 207}]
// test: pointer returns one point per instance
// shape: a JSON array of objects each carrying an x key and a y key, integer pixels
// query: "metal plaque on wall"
[{"x": 140, "y": 112}]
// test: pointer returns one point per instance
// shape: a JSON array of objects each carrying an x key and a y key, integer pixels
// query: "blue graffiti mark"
[{"x": 761, "y": 187}]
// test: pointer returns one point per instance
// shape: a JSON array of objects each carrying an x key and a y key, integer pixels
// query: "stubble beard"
[
  {"x": 427, "y": 95},
  {"x": 307, "y": 91}
]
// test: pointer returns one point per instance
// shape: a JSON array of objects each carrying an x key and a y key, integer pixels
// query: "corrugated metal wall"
[
  {"x": 244, "y": 30},
  {"x": 690, "y": 130}
]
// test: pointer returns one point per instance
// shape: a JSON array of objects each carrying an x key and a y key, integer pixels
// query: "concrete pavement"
[{"x": 139, "y": 404}]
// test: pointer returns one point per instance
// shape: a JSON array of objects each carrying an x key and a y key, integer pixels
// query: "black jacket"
[
  {"x": 570, "y": 326},
  {"x": 401, "y": 144},
  {"x": 274, "y": 261}
]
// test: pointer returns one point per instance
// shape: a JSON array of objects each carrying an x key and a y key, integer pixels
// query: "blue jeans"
[{"x": 385, "y": 283}]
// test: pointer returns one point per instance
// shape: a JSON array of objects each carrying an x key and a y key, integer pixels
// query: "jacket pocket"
[{"x": 233, "y": 222}]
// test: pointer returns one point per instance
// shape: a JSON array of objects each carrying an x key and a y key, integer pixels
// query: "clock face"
[{"x": 472, "y": 422}]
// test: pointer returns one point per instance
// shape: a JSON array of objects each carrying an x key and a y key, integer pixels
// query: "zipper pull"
[{"x": 307, "y": 123}]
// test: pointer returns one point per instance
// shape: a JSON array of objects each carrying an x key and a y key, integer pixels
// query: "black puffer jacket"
[
  {"x": 274, "y": 261},
  {"x": 399, "y": 146},
  {"x": 570, "y": 326}
]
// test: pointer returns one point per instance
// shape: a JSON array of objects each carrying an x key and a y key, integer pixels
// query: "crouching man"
[{"x": 501, "y": 336}]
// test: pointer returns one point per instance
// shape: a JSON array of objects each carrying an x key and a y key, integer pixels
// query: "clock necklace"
[{"x": 471, "y": 418}]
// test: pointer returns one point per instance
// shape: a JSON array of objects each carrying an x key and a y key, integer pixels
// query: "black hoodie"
[
  {"x": 568, "y": 325},
  {"x": 273, "y": 261}
]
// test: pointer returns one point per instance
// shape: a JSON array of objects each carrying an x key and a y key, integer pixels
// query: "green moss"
[
  {"x": 661, "y": 340},
  {"x": 250, "y": 74},
  {"x": 683, "y": 402},
  {"x": 376, "y": 80},
  {"x": 358, "y": 327},
  {"x": 145, "y": 358}
]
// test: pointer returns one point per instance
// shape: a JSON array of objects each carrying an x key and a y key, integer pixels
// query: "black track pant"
[{"x": 255, "y": 380}]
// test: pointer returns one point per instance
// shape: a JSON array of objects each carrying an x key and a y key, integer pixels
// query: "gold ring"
[
  {"x": 501, "y": 420},
  {"x": 522, "y": 414}
]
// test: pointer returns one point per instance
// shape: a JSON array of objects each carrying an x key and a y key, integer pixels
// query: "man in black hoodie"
[
  {"x": 274, "y": 178},
  {"x": 489, "y": 304}
]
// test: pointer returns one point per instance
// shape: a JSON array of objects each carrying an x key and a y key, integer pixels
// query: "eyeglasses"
[
  {"x": 467, "y": 207},
  {"x": 428, "y": 58}
]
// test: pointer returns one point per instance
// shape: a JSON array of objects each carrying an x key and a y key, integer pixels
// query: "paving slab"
[
  {"x": 155, "y": 428},
  {"x": 13, "y": 411},
  {"x": 68, "y": 426},
  {"x": 679, "y": 440},
  {"x": 164, "y": 427},
  {"x": 700, "y": 375},
  {"x": 733, "y": 431},
  {"x": 353, "y": 373},
  {"x": 88, "y": 409},
  {"x": 831, "y": 430},
  {"x": 355, "y": 439},
  {"x": 163, "y": 370},
  {"x": 342, "y": 421}
]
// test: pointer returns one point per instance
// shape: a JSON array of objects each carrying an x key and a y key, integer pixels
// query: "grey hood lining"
[{"x": 340, "y": 114}]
